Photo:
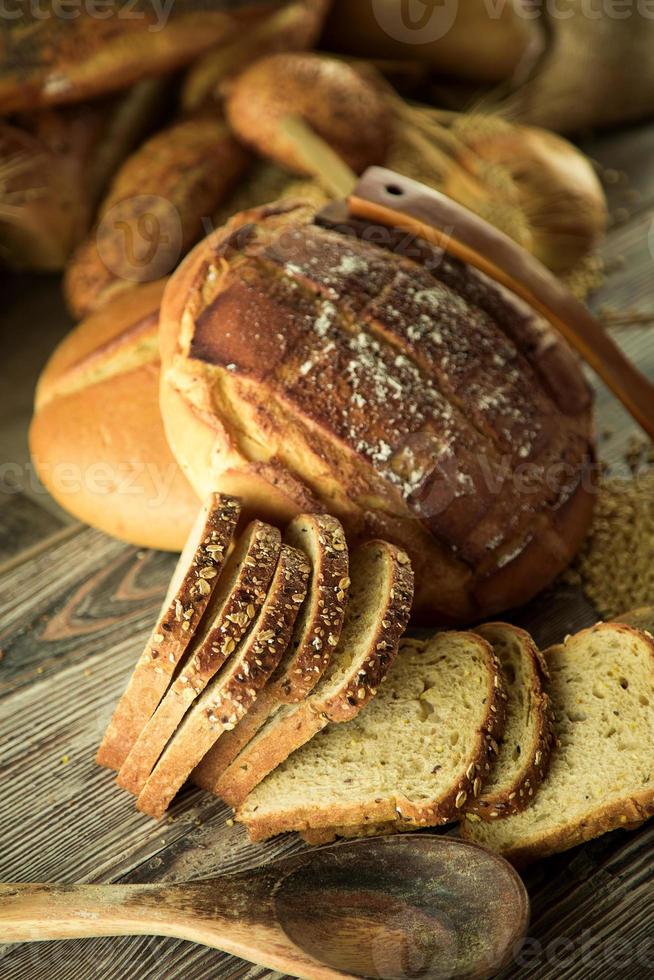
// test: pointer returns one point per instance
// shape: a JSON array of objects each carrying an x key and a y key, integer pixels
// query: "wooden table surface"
[{"x": 76, "y": 607}]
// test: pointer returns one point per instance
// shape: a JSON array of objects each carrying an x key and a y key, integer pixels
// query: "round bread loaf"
[
  {"x": 96, "y": 437},
  {"x": 343, "y": 107},
  {"x": 305, "y": 367}
]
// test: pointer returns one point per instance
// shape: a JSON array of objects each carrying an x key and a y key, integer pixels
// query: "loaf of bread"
[
  {"x": 154, "y": 210},
  {"x": 96, "y": 438},
  {"x": 306, "y": 368},
  {"x": 50, "y": 60},
  {"x": 343, "y": 107}
]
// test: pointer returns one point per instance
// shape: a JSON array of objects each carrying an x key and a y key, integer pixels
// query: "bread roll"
[
  {"x": 96, "y": 438},
  {"x": 411, "y": 396},
  {"x": 154, "y": 210},
  {"x": 342, "y": 106},
  {"x": 48, "y": 58}
]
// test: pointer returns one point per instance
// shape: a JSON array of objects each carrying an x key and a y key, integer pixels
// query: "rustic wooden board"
[{"x": 76, "y": 608}]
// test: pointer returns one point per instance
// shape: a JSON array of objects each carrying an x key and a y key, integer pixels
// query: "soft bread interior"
[
  {"x": 413, "y": 741},
  {"x": 520, "y": 732},
  {"x": 602, "y": 690}
]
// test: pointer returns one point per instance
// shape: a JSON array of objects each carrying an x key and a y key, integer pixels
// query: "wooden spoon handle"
[
  {"x": 385, "y": 197},
  {"x": 33, "y": 912}
]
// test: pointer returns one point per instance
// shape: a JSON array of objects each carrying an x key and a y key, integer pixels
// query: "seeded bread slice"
[
  {"x": 411, "y": 759},
  {"x": 524, "y": 750},
  {"x": 193, "y": 582},
  {"x": 236, "y": 600},
  {"x": 377, "y": 614},
  {"x": 236, "y": 686},
  {"x": 601, "y": 775},
  {"x": 317, "y": 631}
]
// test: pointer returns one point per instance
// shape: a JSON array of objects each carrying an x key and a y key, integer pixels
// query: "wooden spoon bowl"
[{"x": 419, "y": 906}]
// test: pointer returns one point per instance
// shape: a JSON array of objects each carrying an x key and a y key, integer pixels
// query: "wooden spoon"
[{"x": 419, "y": 906}]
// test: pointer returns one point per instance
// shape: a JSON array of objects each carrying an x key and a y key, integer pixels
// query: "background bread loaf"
[{"x": 97, "y": 439}]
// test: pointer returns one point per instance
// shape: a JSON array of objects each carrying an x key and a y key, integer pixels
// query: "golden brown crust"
[
  {"x": 97, "y": 439},
  {"x": 419, "y": 401},
  {"x": 258, "y": 553},
  {"x": 49, "y": 60},
  {"x": 154, "y": 210},
  {"x": 343, "y": 107},
  {"x": 397, "y": 814},
  {"x": 310, "y": 651},
  {"x": 188, "y": 595},
  {"x": 235, "y": 689},
  {"x": 517, "y": 796},
  {"x": 297, "y": 724}
]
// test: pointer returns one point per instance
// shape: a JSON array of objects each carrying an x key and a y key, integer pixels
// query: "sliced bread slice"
[
  {"x": 524, "y": 750},
  {"x": 193, "y": 582},
  {"x": 235, "y": 687},
  {"x": 316, "y": 635},
  {"x": 601, "y": 774},
  {"x": 381, "y": 592},
  {"x": 235, "y": 602},
  {"x": 411, "y": 759}
]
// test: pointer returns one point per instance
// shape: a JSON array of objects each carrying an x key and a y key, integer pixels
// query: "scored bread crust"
[
  {"x": 235, "y": 688},
  {"x": 398, "y": 814},
  {"x": 245, "y": 407},
  {"x": 517, "y": 794},
  {"x": 309, "y": 652},
  {"x": 253, "y": 560},
  {"x": 193, "y": 582},
  {"x": 293, "y": 725},
  {"x": 627, "y": 814}
]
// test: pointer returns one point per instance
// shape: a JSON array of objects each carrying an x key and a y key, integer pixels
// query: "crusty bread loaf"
[
  {"x": 412, "y": 757},
  {"x": 316, "y": 635},
  {"x": 343, "y": 107},
  {"x": 526, "y": 744},
  {"x": 236, "y": 599},
  {"x": 236, "y": 686},
  {"x": 49, "y": 59},
  {"x": 411, "y": 395},
  {"x": 601, "y": 774},
  {"x": 96, "y": 438},
  {"x": 154, "y": 210},
  {"x": 376, "y": 616},
  {"x": 193, "y": 581}
]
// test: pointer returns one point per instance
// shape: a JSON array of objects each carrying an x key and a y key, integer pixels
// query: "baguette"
[
  {"x": 154, "y": 210},
  {"x": 411, "y": 759},
  {"x": 189, "y": 592},
  {"x": 236, "y": 686},
  {"x": 377, "y": 614},
  {"x": 601, "y": 774},
  {"x": 526, "y": 746},
  {"x": 317, "y": 631},
  {"x": 238, "y": 596}
]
